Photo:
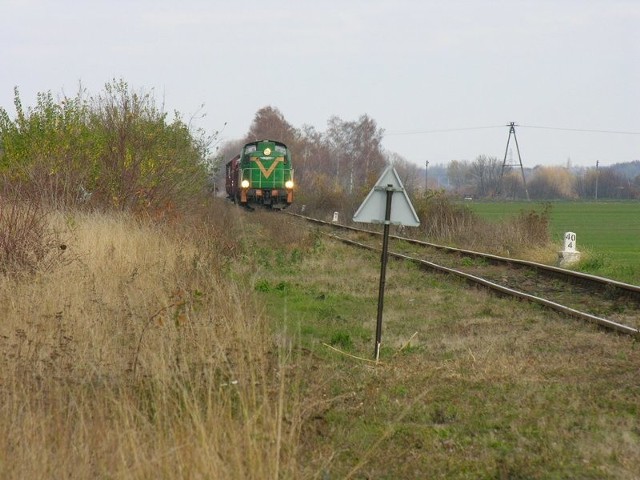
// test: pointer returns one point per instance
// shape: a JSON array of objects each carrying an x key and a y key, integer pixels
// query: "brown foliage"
[
  {"x": 26, "y": 240},
  {"x": 444, "y": 220},
  {"x": 142, "y": 360},
  {"x": 322, "y": 196},
  {"x": 552, "y": 182},
  {"x": 452, "y": 223},
  {"x": 269, "y": 123}
]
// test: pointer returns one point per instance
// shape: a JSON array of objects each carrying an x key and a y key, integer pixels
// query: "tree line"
[
  {"x": 338, "y": 166},
  {"x": 120, "y": 149},
  {"x": 335, "y": 168},
  {"x": 486, "y": 178}
]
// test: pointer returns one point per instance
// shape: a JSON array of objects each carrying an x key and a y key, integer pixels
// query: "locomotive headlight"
[
  {"x": 244, "y": 183},
  {"x": 289, "y": 184}
]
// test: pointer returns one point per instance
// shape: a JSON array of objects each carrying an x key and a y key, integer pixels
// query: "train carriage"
[{"x": 261, "y": 174}]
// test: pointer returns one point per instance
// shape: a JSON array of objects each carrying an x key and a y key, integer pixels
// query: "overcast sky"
[{"x": 430, "y": 73}]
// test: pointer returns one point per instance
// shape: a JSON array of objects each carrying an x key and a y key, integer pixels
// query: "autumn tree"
[
  {"x": 552, "y": 183},
  {"x": 636, "y": 186},
  {"x": 306, "y": 145},
  {"x": 269, "y": 123},
  {"x": 511, "y": 185},
  {"x": 117, "y": 149},
  {"x": 607, "y": 183},
  {"x": 145, "y": 159},
  {"x": 459, "y": 173},
  {"x": 356, "y": 151},
  {"x": 313, "y": 156},
  {"x": 410, "y": 174},
  {"x": 485, "y": 174}
]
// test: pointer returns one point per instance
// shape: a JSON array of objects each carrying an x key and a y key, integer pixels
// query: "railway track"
[{"x": 611, "y": 304}]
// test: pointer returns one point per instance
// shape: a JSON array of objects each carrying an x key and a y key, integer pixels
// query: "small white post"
[
  {"x": 335, "y": 217},
  {"x": 569, "y": 253},
  {"x": 569, "y": 242}
]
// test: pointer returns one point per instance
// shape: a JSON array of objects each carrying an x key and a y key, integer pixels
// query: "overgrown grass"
[
  {"x": 138, "y": 358},
  {"x": 469, "y": 385},
  {"x": 608, "y": 233},
  {"x": 228, "y": 344},
  {"x": 518, "y": 235},
  {"x": 27, "y": 242}
]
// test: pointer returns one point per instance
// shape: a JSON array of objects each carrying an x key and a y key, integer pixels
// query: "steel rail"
[
  {"x": 609, "y": 324},
  {"x": 625, "y": 287}
]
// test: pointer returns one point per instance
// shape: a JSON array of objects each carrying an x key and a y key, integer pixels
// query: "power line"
[
  {"x": 446, "y": 130},
  {"x": 580, "y": 130},
  {"x": 418, "y": 132}
]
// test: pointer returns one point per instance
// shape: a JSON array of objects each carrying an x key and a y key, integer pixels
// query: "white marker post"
[
  {"x": 569, "y": 254},
  {"x": 335, "y": 217},
  {"x": 379, "y": 207},
  {"x": 569, "y": 242}
]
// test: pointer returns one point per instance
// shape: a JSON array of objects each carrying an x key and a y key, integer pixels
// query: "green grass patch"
[
  {"x": 608, "y": 233},
  {"x": 469, "y": 385},
  {"x": 318, "y": 315}
]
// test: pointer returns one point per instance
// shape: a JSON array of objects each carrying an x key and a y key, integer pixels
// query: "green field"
[{"x": 607, "y": 232}]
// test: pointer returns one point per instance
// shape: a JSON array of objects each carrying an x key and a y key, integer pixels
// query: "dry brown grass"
[
  {"x": 135, "y": 358},
  {"x": 27, "y": 242},
  {"x": 448, "y": 222}
]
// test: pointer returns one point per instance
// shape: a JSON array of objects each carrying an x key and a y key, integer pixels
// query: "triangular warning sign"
[{"x": 373, "y": 208}]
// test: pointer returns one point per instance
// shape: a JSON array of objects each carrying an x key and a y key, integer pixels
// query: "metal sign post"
[
  {"x": 383, "y": 270},
  {"x": 378, "y": 208}
]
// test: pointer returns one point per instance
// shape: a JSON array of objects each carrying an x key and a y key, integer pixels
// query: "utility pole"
[
  {"x": 426, "y": 177},
  {"x": 597, "y": 175},
  {"x": 512, "y": 131}
]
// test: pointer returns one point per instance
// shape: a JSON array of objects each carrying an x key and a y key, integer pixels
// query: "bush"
[
  {"x": 26, "y": 239},
  {"x": 445, "y": 221},
  {"x": 322, "y": 196},
  {"x": 115, "y": 150},
  {"x": 48, "y": 150}
]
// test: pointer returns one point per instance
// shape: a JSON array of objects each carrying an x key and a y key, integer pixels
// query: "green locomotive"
[{"x": 261, "y": 174}]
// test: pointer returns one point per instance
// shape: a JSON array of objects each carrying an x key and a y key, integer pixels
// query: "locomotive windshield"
[{"x": 250, "y": 148}]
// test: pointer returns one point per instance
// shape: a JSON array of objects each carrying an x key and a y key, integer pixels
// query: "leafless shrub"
[
  {"x": 444, "y": 220},
  {"x": 447, "y": 222},
  {"x": 26, "y": 239},
  {"x": 529, "y": 228}
]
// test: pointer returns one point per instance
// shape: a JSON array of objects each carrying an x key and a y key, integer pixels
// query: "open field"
[{"x": 607, "y": 232}]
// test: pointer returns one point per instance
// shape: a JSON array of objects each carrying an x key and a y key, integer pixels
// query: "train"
[{"x": 261, "y": 174}]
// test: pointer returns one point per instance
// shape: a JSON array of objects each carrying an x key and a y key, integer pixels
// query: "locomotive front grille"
[{"x": 276, "y": 178}]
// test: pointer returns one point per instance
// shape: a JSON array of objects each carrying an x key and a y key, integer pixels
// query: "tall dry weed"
[
  {"x": 445, "y": 221},
  {"x": 27, "y": 242},
  {"x": 138, "y": 359}
]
